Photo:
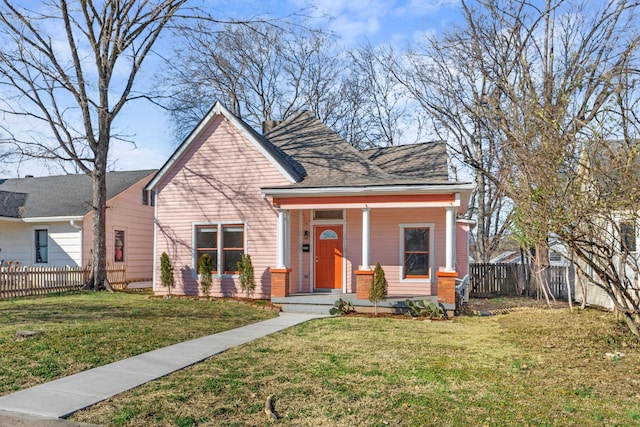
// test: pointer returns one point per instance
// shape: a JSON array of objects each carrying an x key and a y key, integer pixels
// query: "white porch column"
[
  {"x": 366, "y": 230},
  {"x": 280, "y": 261},
  {"x": 450, "y": 248}
]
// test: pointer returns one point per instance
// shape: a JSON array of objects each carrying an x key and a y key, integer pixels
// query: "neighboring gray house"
[{"x": 47, "y": 221}]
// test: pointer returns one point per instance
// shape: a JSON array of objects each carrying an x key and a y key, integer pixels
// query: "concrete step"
[{"x": 306, "y": 308}]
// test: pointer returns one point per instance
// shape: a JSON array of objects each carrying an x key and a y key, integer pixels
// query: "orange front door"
[{"x": 328, "y": 252}]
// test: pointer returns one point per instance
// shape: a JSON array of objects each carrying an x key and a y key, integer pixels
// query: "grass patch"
[
  {"x": 537, "y": 367},
  {"x": 85, "y": 330}
]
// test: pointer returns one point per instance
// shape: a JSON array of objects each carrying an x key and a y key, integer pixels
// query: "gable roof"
[
  {"x": 313, "y": 156},
  {"x": 426, "y": 160},
  {"x": 58, "y": 196},
  {"x": 280, "y": 160}
]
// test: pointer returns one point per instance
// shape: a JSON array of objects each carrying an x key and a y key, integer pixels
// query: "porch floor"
[{"x": 321, "y": 302}]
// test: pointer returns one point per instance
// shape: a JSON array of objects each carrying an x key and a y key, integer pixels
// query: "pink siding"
[
  {"x": 306, "y": 257},
  {"x": 462, "y": 249},
  {"x": 295, "y": 253},
  {"x": 217, "y": 180},
  {"x": 126, "y": 212},
  {"x": 385, "y": 246}
]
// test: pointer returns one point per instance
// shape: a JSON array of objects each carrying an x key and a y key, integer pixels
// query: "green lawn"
[
  {"x": 84, "y": 330},
  {"x": 534, "y": 367}
]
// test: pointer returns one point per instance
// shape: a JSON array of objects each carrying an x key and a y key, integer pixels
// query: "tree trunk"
[{"x": 98, "y": 279}]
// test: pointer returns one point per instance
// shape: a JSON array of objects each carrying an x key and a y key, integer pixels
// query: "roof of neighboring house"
[{"x": 58, "y": 196}]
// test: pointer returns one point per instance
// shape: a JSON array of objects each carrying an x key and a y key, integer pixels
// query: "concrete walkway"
[{"x": 62, "y": 397}]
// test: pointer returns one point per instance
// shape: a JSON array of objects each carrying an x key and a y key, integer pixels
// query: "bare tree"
[
  {"x": 445, "y": 75},
  {"x": 557, "y": 85},
  {"x": 260, "y": 70},
  {"x": 68, "y": 69},
  {"x": 388, "y": 114}
]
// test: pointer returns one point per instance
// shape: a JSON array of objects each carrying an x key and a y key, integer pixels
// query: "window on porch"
[{"x": 416, "y": 253}]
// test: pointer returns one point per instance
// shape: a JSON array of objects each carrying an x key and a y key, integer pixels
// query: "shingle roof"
[
  {"x": 321, "y": 155},
  {"x": 64, "y": 195},
  {"x": 426, "y": 160},
  {"x": 323, "y": 159}
]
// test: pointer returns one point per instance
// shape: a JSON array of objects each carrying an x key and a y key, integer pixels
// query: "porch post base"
[
  {"x": 447, "y": 286},
  {"x": 280, "y": 282},
  {"x": 364, "y": 279}
]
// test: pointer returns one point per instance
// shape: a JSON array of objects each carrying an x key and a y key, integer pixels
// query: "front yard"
[
  {"x": 530, "y": 367},
  {"x": 85, "y": 330}
]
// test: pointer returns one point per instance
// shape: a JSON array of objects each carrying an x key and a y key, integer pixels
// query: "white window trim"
[
  {"x": 113, "y": 244},
  {"x": 194, "y": 245},
  {"x": 33, "y": 244},
  {"x": 636, "y": 228},
  {"x": 431, "y": 227}
]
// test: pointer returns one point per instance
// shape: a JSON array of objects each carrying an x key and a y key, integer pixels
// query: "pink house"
[{"x": 314, "y": 213}]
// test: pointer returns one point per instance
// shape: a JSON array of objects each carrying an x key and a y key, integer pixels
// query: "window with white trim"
[
  {"x": 416, "y": 258},
  {"x": 118, "y": 246},
  {"x": 42, "y": 246},
  {"x": 223, "y": 242},
  {"x": 207, "y": 243},
  {"x": 232, "y": 248},
  {"x": 628, "y": 235}
]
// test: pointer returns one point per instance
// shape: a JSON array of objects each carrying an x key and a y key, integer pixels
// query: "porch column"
[
  {"x": 450, "y": 248},
  {"x": 366, "y": 230},
  {"x": 280, "y": 260}
]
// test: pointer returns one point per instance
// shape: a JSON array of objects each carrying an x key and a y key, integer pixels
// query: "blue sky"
[{"x": 353, "y": 21}]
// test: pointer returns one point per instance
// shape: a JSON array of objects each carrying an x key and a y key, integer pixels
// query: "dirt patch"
[{"x": 487, "y": 305}]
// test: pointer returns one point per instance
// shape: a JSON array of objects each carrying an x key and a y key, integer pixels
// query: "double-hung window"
[
  {"x": 223, "y": 242},
  {"x": 118, "y": 246},
  {"x": 628, "y": 236},
  {"x": 416, "y": 251},
  {"x": 207, "y": 243},
  {"x": 42, "y": 246},
  {"x": 233, "y": 247}
]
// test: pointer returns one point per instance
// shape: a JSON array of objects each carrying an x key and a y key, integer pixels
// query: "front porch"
[{"x": 322, "y": 302}]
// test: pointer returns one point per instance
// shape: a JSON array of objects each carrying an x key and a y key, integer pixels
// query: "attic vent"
[{"x": 268, "y": 125}]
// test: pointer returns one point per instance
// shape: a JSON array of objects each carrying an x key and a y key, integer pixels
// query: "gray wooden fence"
[
  {"x": 505, "y": 279},
  {"x": 19, "y": 281}
]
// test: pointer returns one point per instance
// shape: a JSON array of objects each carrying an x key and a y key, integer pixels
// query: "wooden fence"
[
  {"x": 498, "y": 279},
  {"x": 19, "y": 281}
]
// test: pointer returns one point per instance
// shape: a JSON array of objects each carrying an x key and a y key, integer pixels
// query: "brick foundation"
[
  {"x": 364, "y": 280},
  {"x": 447, "y": 286},
  {"x": 280, "y": 282}
]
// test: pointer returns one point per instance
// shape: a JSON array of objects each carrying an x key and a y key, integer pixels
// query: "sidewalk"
[{"x": 62, "y": 397}]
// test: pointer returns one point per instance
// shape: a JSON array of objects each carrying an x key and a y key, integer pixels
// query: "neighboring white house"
[{"x": 47, "y": 221}]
